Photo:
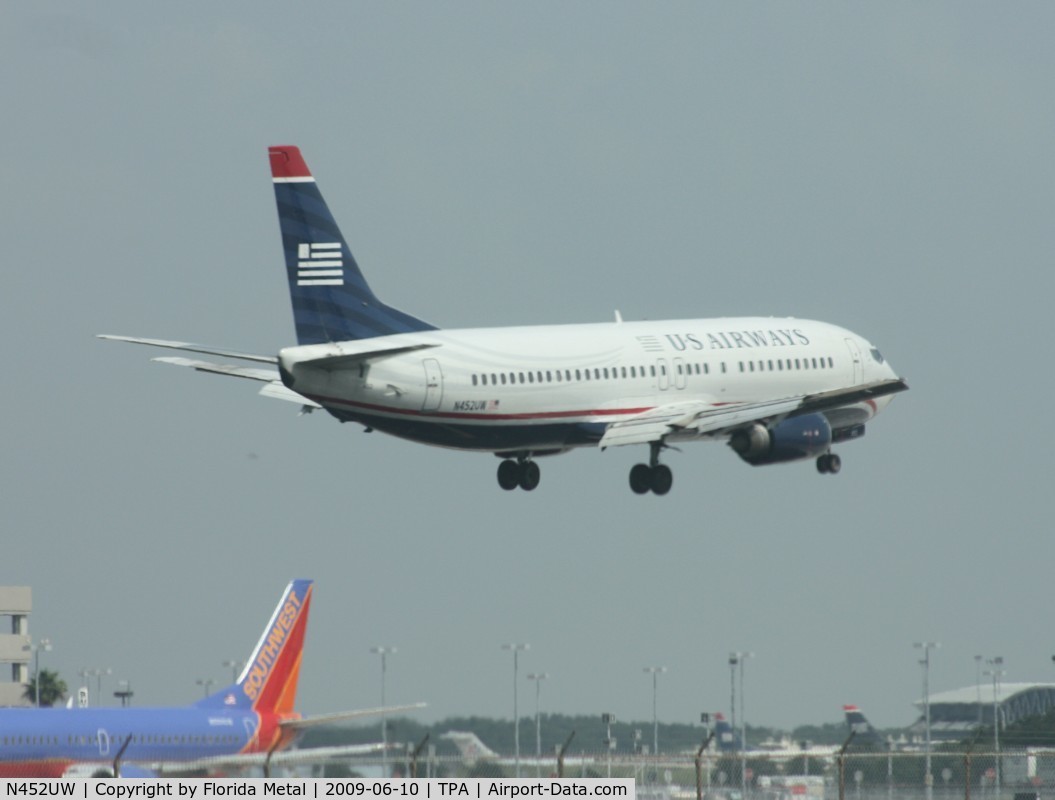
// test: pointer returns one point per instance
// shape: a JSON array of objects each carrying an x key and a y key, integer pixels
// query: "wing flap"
[{"x": 707, "y": 420}]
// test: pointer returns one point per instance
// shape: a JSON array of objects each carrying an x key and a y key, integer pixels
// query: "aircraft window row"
[
  {"x": 787, "y": 364},
  {"x": 93, "y": 740},
  {"x": 14, "y": 740},
  {"x": 594, "y": 373}
]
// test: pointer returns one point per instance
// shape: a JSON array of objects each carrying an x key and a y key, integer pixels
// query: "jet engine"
[{"x": 792, "y": 439}]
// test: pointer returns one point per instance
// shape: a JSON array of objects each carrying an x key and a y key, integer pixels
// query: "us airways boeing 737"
[
  {"x": 775, "y": 390},
  {"x": 242, "y": 725}
]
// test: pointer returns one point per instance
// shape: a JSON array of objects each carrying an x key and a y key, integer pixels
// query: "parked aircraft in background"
[
  {"x": 242, "y": 725},
  {"x": 775, "y": 390},
  {"x": 863, "y": 730}
]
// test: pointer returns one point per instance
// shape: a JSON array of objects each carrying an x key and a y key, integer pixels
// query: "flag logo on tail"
[{"x": 320, "y": 264}]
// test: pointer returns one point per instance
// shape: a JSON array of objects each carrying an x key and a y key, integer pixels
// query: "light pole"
[
  {"x": 928, "y": 778},
  {"x": 206, "y": 684},
  {"x": 655, "y": 719},
  {"x": 516, "y": 648},
  {"x": 978, "y": 686},
  {"x": 996, "y": 662},
  {"x": 538, "y": 677},
  {"x": 738, "y": 658},
  {"x": 734, "y": 659},
  {"x": 384, "y": 651},
  {"x": 45, "y": 645},
  {"x": 97, "y": 673},
  {"x": 236, "y": 667}
]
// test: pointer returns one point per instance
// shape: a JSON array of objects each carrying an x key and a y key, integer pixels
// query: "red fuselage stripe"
[{"x": 537, "y": 415}]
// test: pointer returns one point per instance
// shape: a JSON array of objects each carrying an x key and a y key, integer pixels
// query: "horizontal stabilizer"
[
  {"x": 277, "y": 391},
  {"x": 190, "y": 348},
  {"x": 251, "y": 373}
]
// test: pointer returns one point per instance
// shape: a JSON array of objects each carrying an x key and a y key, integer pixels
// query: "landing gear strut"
[
  {"x": 653, "y": 476},
  {"x": 829, "y": 463},
  {"x": 522, "y": 472}
]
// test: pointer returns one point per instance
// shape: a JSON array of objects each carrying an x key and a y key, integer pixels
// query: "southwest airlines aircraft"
[
  {"x": 775, "y": 390},
  {"x": 242, "y": 725}
]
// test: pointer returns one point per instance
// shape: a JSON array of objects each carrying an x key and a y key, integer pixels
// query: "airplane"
[
  {"x": 242, "y": 725},
  {"x": 775, "y": 390}
]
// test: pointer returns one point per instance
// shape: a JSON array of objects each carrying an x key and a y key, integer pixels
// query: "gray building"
[
  {"x": 955, "y": 715},
  {"x": 16, "y": 648}
]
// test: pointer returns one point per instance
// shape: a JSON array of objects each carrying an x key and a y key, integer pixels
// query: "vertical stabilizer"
[
  {"x": 863, "y": 730},
  {"x": 268, "y": 682},
  {"x": 332, "y": 301}
]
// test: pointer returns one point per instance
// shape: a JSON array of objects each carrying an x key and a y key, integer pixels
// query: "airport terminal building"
[
  {"x": 16, "y": 648},
  {"x": 956, "y": 714}
]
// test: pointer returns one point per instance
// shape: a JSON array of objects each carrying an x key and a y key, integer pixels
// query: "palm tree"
[{"x": 52, "y": 688}]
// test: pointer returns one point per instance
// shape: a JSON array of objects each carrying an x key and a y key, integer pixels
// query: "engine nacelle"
[{"x": 795, "y": 438}]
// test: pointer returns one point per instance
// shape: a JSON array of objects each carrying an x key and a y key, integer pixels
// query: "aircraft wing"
[
  {"x": 706, "y": 419},
  {"x": 340, "y": 716},
  {"x": 281, "y": 758}
]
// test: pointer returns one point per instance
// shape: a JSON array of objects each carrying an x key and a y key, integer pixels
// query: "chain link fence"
[{"x": 1019, "y": 774}]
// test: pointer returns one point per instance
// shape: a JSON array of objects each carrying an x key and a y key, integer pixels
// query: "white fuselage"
[{"x": 549, "y": 388}]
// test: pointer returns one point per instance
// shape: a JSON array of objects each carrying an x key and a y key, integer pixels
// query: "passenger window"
[
  {"x": 503, "y": 379},
  {"x": 751, "y": 366},
  {"x": 831, "y": 362},
  {"x": 578, "y": 375},
  {"x": 797, "y": 364},
  {"x": 741, "y": 366}
]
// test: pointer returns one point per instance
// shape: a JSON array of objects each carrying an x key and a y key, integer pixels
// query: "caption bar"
[{"x": 395, "y": 789}]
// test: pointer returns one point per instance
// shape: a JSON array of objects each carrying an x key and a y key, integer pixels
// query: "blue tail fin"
[
  {"x": 332, "y": 301},
  {"x": 864, "y": 732},
  {"x": 727, "y": 738}
]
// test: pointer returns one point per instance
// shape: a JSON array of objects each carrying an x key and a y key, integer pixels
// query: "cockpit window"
[{"x": 877, "y": 355}]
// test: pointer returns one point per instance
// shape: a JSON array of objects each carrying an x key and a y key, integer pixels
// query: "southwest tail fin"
[
  {"x": 724, "y": 735},
  {"x": 864, "y": 732},
  {"x": 332, "y": 301},
  {"x": 268, "y": 682}
]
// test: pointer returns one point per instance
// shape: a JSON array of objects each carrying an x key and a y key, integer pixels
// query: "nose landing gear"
[{"x": 829, "y": 463}]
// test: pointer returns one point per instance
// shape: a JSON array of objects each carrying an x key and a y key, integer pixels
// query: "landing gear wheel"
[
  {"x": 529, "y": 475},
  {"x": 829, "y": 463},
  {"x": 661, "y": 479},
  {"x": 640, "y": 478},
  {"x": 509, "y": 474}
]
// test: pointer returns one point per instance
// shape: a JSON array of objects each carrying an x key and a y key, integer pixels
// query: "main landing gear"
[
  {"x": 653, "y": 476},
  {"x": 829, "y": 464},
  {"x": 522, "y": 472}
]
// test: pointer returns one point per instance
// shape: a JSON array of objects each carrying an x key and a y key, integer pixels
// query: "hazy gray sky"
[{"x": 884, "y": 166}]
